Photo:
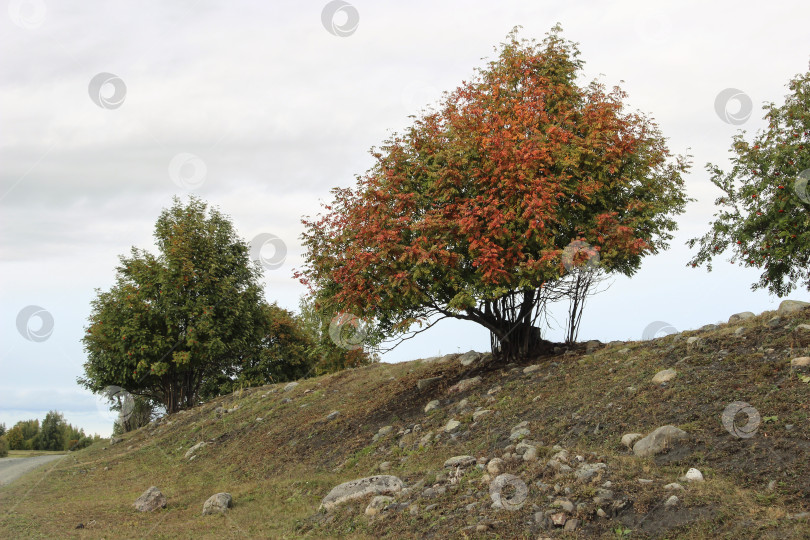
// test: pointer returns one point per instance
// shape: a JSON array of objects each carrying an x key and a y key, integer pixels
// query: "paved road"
[{"x": 12, "y": 468}]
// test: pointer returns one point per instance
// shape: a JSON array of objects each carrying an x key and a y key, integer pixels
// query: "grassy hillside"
[{"x": 278, "y": 455}]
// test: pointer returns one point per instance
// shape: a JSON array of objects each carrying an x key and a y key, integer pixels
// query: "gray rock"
[
  {"x": 692, "y": 475},
  {"x": 469, "y": 358},
  {"x": 592, "y": 346},
  {"x": 629, "y": 439},
  {"x": 195, "y": 448},
  {"x": 519, "y": 433},
  {"x": 290, "y": 386},
  {"x": 354, "y": 489},
  {"x": 424, "y": 384},
  {"x": 571, "y": 524},
  {"x": 464, "y": 385},
  {"x": 663, "y": 376},
  {"x": 530, "y": 455},
  {"x": 332, "y": 415},
  {"x": 802, "y": 328},
  {"x": 432, "y": 405},
  {"x": 495, "y": 466},
  {"x": 603, "y": 496},
  {"x": 532, "y": 369},
  {"x": 775, "y": 321},
  {"x": 217, "y": 504},
  {"x": 658, "y": 441},
  {"x": 790, "y": 306},
  {"x": 672, "y": 502},
  {"x": 150, "y": 500},
  {"x": 739, "y": 331},
  {"x": 564, "y": 504},
  {"x": 382, "y": 432},
  {"x": 673, "y": 486},
  {"x": 384, "y": 466},
  {"x": 478, "y": 414},
  {"x": 586, "y": 471},
  {"x": 737, "y": 317},
  {"x": 377, "y": 504},
  {"x": 286, "y": 400},
  {"x": 452, "y": 425},
  {"x": 115, "y": 440},
  {"x": 460, "y": 461},
  {"x": 708, "y": 327}
]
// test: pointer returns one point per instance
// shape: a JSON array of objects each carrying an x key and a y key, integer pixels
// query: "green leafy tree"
[
  {"x": 15, "y": 438},
  {"x": 51, "y": 435},
  {"x": 764, "y": 210},
  {"x": 483, "y": 205},
  {"x": 2, "y": 429},
  {"x": 329, "y": 357},
  {"x": 176, "y": 319}
]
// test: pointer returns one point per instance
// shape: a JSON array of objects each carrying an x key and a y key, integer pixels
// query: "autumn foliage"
[{"x": 469, "y": 212}]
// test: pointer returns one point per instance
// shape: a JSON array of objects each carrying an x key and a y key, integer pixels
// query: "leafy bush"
[{"x": 3, "y": 447}]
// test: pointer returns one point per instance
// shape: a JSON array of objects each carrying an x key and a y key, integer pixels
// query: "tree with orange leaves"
[{"x": 483, "y": 206}]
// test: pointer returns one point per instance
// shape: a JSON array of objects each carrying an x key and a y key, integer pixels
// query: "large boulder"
[
  {"x": 658, "y": 441},
  {"x": 789, "y": 306},
  {"x": 384, "y": 484},
  {"x": 217, "y": 504},
  {"x": 469, "y": 358},
  {"x": 150, "y": 500}
]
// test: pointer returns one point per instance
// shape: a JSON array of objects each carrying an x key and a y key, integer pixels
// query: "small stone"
[
  {"x": 532, "y": 369},
  {"x": 519, "y": 433},
  {"x": 384, "y": 466},
  {"x": 460, "y": 461},
  {"x": 493, "y": 390},
  {"x": 565, "y": 505},
  {"x": 495, "y": 466},
  {"x": 452, "y": 425},
  {"x": 424, "y": 384},
  {"x": 693, "y": 475},
  {"x": 530, "y": 455},
  {"x": 430, "y": 507},
  {"x": 708, "y": 327},
  {"x": 571, "y": 525},
  {"x": 694, "y": 340},
  {"x": 150, "y": 500},
  {"x": 478, "y": 414},
  {"x": 592, "y": 346},
  {"x": 469, "y": 358},
  {"x": 290, "y": 386},
  {"x": 601, "y": 513},
  {"x": 464, "y": 385},
  {"x": 217, "y": 504},
  {"x": 630, "y": 439},
  {"x": 775, "y": 321},
  {"x": 559, "y": 519},
  {"x": 663, "y": 376},
  {"x": 671, "y": 502},
  {"x": 377, "y": 504},
  {"x": 432, "y": 405},
  {"x": 644, "y": 481},
  {"x": 739, "y": 331},
  {"x": 332, "y": 415},
  {"x": 737, "y": 317},
  {"x": 803, "y": 328},
  {"x": 286, "y": 400},
  {"x": 195, "y": 448},
  {"x": 802, "y": 361},
  {"x": 673, "y": 486}
]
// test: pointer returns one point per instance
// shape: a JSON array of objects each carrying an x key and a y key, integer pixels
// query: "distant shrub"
[
  {"x": 84, "y": 442},
  {"x": 3, "y": 447}
]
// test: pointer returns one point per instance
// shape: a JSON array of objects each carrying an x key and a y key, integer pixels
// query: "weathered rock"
[
  {"x": 464, "y": 385},
  {"x": 495, "y": 466},
  {"x": 290, "y": 386},
  {"x": 519, "y": 433},
  {"x": 803, "y": 328},
  {"x": 378, "y": 504},
  {"x": 629, "y": 439},
  {"x": 530, "y": 455},
  {"x": 603, "y": 496},
  {"x": 739, "y": 331},
  {"x": 217, "y": 504},
  {"x": 452, "y": 425},
  {"x": 663, "y": 376},
  {"x": 194, "y": 448},
  {"x": 571, "y": 524},
  {"x": 382, "y": 432},
  {"x": 774, "y": 321},
  {"x": 469, "y": 358},
  {"x": 150, "y": 500},
  {"x": 332, "y": 415},
  {"x": 737, "y": 317},
  {"x": 693, "y": 475},
  {"x": 586, "y": 471},
  {"x": 672, "y": 502},
  {"x": 478, "y": 414},
  {"x": 673, "y": 486},
  {"x": 693, "y": 341},
  {"x": 373, "y": 485},
  {"x": 708, "y": 327},
  {"x": 460, "y": 461},
  {"x": 115, "y": 440},
  {"x": 432, "y": 405},
  {"x": 789, "y": 306},
  {"x": 658, "y": 441},
  {"x": 559, "y": 519},
  {"x": 592, "y": 346},
  {"x": 532, "y": 369},
  {"x": 802, "y": 361},
  {"x": 425, "y": 384},
  {"x": 384, "y": 466},
  {"x": 565, "y": 505}
]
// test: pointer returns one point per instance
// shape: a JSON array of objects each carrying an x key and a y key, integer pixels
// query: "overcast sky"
[{"x": 108, "y": 109}]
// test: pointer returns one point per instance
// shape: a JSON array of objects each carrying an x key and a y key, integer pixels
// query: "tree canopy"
[
  {"x": 764, "y": 210},
  {"x": 482, "y": 206}
]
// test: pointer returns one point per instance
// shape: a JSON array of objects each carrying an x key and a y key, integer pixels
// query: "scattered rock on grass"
[
  {"x": 464, "y": 385},
  {"x": 663, "y": 376},
  {"x": 354, "y": 489},
  {"x": 789, "y": 306},
  {"x": 629, "y": 439},
  {"x": 194, "y": 448},
  {"x": 737, "y": 317},
  {"x": 217, "y": 504},
  {"x": 150, "y": 500},
  {"x": 432, "y": 405},
  {"x": 378, "y": 504},
  {"x": 469, "y": 358},
  {"x": 658, "y": 441}
]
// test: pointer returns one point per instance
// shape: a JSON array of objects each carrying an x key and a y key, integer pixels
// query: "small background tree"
[{"x": 764, "y": 217}]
